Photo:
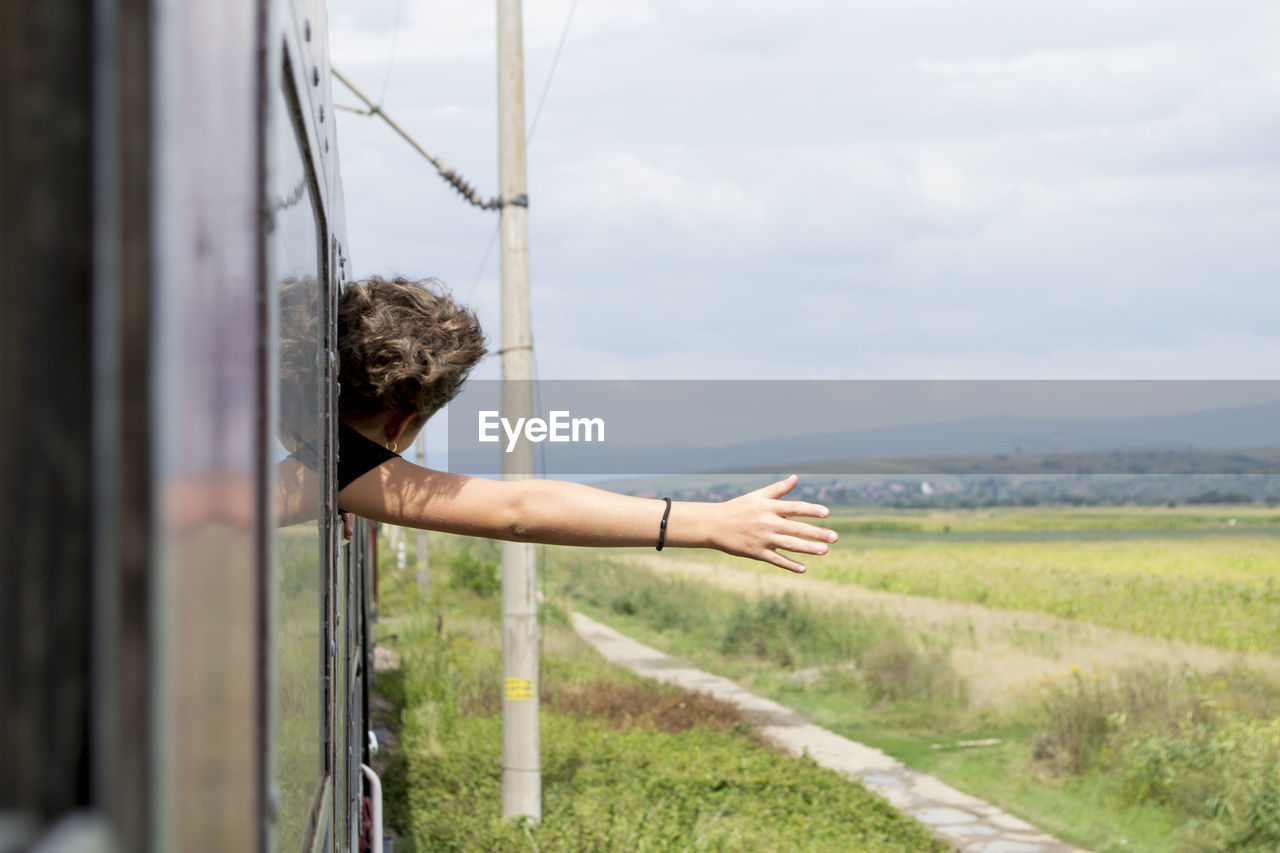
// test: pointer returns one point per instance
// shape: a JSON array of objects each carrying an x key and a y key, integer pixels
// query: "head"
[{"x": 405, "y": 348}]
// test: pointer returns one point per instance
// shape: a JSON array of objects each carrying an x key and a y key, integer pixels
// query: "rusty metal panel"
[{"x": 208, "y": 416}]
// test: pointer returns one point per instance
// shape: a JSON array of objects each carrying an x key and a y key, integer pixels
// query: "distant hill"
[
  {"x": 1223, "y": 441},
  {"x": 1244, "y": 461},
  {"x": 1023, "y": 445},
  {"x": 1143, "y": 477}
]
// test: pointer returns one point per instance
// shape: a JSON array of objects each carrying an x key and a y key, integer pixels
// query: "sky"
[{"x": 826, "y": 189}]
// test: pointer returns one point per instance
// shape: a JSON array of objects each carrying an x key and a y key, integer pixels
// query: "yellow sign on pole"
[{"x": 518, "y": 689}]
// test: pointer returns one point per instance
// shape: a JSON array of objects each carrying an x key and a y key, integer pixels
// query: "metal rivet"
[
  {"x": 306, "y": 29},
  {"x": 322, "y": 113},
  {"x": 326, "y": 146},
  {"x": 315, "y": 76}
]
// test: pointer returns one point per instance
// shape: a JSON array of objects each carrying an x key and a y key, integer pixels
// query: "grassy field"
[
  {"x": 1203, "y": 576},
  {"x": 1149, "y": 758},
  {"x": 626, "y": 765},
  {"x": 1008, "y": 520}
]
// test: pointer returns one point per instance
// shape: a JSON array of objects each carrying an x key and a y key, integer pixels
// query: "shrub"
[
  {"x": 791, "y": 633},
  {"x": 1224, "y": 774},
  {"x": 768, "y": 628},
  {"x": 662, "y": 605},
  {"x": 1079, "y": 715},
  {"x": 898, "y": 672},
  {"x": 1191, "y": 743},
  {"x": 474, "y": 573}
]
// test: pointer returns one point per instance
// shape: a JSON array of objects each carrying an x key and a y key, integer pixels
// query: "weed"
[
  {"x": 776, "y": 629},
  {"x": 474, "y": 573},
  {"x": 1079, "y": 715},
  {"x": 624, "y": 706},
  {"x": 1224, "y": 776},
  {"x": 897, "y": 671},
  {"x": 663, "y": 605},
  {"x": 1176, "y": 739}
]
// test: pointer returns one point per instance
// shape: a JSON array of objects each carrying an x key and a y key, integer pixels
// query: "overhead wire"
[
  {"x": 555, "y": 62},
  {"x": 451, "y": 177},
  {"x": 391, "y": 55},
  {"x": 456, "y": 181},
  {"x": 533, "y": 126},
  {"x": 484, "y": 262}
]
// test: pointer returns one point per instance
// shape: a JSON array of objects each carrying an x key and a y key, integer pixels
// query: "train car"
[{"x": 185, "y": 631}]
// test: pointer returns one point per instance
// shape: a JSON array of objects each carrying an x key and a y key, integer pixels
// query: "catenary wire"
[
  {"x": 533, "y": 126},
  {"x": 555, "y": 62},
  {"x": 391, "y": 55},
  {"x": 451, "y": 177},
  {"x": 484, "y": 262}
]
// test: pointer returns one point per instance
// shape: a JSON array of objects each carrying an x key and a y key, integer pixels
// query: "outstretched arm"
[{"x": 757, "y": 525}]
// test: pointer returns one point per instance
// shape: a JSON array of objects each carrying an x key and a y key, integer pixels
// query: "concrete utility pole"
[
  {"x": 521, "y": 759},
  {"x": 422, "y": 572}
]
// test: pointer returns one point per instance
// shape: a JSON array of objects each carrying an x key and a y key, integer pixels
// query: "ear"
[{"x": 397, "y": 424}]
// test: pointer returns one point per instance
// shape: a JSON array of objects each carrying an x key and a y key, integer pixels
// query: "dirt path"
[{"x": 1001, "y": 653}]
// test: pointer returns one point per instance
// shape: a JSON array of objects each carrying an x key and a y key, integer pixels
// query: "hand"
[
  {"x": 348, "y": 526},
  {"x": 759, "y": 523}
]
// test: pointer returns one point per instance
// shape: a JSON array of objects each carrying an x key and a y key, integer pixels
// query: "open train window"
[{"x": 298, "y": 297}]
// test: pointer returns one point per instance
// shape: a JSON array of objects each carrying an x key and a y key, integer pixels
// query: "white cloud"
[{"x": 828, "y": 188}]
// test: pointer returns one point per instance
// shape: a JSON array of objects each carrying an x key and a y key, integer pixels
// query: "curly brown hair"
[{"x": 403, "y": 346}]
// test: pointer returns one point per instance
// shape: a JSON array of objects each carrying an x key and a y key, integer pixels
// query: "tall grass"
[
  {"x": 1219, "y": 591},
  {"x": 788, "y": 631},
  {"x": 627, "y": 765},
  {"x": 1195, "y": 754},
  {"x": 1207, "y": 747},
  {"x": 871, "y": 654},
  {"x": 1057, "y": 518}
]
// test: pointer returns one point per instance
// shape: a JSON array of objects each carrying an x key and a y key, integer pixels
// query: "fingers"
[
  {"x": 786, "y": 509},
  {"x": 780, "y": 488},
  {"x": 808, "y": 531},
  {"x": 787, "y": 535},
  {"x": 801, "y": 546},
  {"x": 782, "y": 561},
  {"x": 775, "y": 491}
]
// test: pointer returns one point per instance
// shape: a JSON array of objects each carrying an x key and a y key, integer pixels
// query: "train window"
[{"x": 296, "y": 279}]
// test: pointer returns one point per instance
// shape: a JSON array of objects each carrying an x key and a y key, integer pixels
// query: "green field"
[
  {"x": 1018, "y": 520},
  {"x": 1013, "y": 520},
  {"x": 1117, "y": 758},
  {"x": 1178, "y": 573},
  {"x": 627, "y": 765}
]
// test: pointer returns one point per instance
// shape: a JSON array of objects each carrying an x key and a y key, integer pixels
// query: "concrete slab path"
[{"x": 964, "y": 822}]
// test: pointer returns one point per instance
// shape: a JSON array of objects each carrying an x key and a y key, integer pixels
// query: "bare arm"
[{"x": 554, "y": 512}]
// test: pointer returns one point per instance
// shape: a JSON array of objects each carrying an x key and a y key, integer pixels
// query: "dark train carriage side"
[{"x": 184, "y": 651}]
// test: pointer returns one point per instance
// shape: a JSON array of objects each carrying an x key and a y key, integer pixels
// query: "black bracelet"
[{"x": 662, "y": 528}]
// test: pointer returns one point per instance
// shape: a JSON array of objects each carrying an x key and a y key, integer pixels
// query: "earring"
[{"x": 391, "y": 445}]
